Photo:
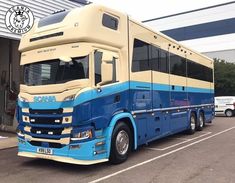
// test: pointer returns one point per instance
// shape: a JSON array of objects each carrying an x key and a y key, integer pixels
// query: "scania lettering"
[{"x": 98, "y": 84}]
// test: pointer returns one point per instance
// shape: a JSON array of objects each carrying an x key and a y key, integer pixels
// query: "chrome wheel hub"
[
  {"x": 201, "y": 121},
  {"x": 193, "y": 123},
  {"x": 122, "y": 142}
]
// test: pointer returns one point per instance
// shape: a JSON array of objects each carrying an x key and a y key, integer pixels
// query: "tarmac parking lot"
[{"x": 206, "y": 156}]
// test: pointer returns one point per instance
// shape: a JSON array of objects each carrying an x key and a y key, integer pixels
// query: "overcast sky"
[{"x": 148, "y": 9}]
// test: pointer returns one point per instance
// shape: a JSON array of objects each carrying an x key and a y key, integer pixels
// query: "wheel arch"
[
  {"x": 229, "y": 109},
  {"x": 201, "y": 110},
  {"x": 128, "y": 119}
]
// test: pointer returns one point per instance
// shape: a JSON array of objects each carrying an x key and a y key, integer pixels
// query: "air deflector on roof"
[{"x": 52, "y": 19}]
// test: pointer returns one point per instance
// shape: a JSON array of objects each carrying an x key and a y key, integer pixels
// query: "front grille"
[
  {"x": 47, "y": 111},
  {"x": 35, "y": 143},
  {"x": 46, "y": 131},
  {"x": 46, "y": 121},
  {"x": 55, "y": 145},
  {"x": 47, "y": 124},
  {"x": 50, "y": 144}
]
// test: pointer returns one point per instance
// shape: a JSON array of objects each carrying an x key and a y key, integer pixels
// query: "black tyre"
[
  {"x": 192, "y": 126},
  {"x": 229, "y": 113},
  {"x": 201, "y": 121},
  {"x": 121, "y": 143}
]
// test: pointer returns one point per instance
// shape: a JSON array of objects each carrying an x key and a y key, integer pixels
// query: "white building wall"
[
  {"x": 218, "y": 46},
  {"x": 193, "y": 18}
]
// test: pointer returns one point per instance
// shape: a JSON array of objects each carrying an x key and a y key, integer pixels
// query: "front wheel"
[{"x": 120, "y": 143}]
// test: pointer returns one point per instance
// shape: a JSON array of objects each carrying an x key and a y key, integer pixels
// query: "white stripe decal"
[{"x": 172, "y": 108}]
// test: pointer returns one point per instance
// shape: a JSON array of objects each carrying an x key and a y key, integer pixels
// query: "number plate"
[{"x": 48, "y": 151}]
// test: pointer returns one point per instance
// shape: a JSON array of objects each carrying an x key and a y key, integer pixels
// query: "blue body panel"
[{"x": 154, "y": 110}]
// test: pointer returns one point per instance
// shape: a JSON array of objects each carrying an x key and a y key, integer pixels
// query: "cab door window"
[{"x": 106, "y": 66}]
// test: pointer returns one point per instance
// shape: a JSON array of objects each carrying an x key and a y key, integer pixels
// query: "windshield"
[{"x": 56, "y": 71}]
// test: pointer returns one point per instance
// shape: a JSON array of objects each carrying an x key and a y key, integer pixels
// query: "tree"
[{"x": 224, "y": 78}]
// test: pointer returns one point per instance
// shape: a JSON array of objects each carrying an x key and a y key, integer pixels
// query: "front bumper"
[
  {"x": 61, "y": 158},
  {"x": 83, "y": 154}
]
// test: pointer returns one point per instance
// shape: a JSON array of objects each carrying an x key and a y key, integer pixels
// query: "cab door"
[{"x": 109, "y": 95}]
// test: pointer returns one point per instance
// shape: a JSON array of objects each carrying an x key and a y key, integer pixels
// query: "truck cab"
[{"x": 75, "y": 82}]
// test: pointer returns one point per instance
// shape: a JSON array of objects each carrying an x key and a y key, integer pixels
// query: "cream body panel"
[
  {"x": 79, "y": 25},
  {"x": 160, "y": 78},
  {"x": 177, "y": 80}
]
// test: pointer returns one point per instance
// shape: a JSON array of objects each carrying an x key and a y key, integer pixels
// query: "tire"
[
  {"x": 201, "y": 121},
  {"x": 192, "y": 127},
  {"x": 229, "y": 113},
  {"x": 121, "y": 143}
]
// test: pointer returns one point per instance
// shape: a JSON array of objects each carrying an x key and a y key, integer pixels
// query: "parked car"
[{"x": 225, "y": 105}]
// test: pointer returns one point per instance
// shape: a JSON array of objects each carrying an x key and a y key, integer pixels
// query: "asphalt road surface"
[{"x": 207, "y": 156}]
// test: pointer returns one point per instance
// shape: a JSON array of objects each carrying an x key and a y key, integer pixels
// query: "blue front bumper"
[{"x": 80, "y": 153}]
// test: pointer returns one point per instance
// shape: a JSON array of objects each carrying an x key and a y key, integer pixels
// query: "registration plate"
[{"x": 48, "y": 151}]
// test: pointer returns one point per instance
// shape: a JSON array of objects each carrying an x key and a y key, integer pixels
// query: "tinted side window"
[
  {"x": 198, "y": 71},
  {"x": 210, "y": 75},
  {"x": 177, "y": 65},
  {"x": 52, "y": 19},
  {"x": 98, "y": 61},
  {"x": 164, "y": 62},
  {"x": 159, "y": 59},
  {"x": 155, "y": 57},
  {"x": 140, "y": 60},
  {"x": 194, "y": 70},
  {"x": 110, "y": 21}
]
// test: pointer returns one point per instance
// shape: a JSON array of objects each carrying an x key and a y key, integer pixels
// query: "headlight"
[
  {"x": 82, "y": 135},
  {"x": 69, "y": 98},
  {"x": 22, "y": 99}
]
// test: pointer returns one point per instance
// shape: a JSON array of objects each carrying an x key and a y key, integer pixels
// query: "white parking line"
[
  {"x": 186, "y": 140},
  {"x": 161, "y": 156},
  {"x": 179, "y": 138}
]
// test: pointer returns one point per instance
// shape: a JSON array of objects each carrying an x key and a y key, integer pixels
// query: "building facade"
[
  {"x": 10, "y": 71},
  {"x": 209, "y": 30}
]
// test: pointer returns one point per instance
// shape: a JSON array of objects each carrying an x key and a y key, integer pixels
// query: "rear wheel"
[
  {"x": 192, "y": 127},
  {"x": 229, "y": 113},
  {"x": 120, "y": 144},
  {"x": 201, "y": 121}
]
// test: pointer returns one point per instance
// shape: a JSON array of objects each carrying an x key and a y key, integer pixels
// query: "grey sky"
[{"x": 148, "y": 9}]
